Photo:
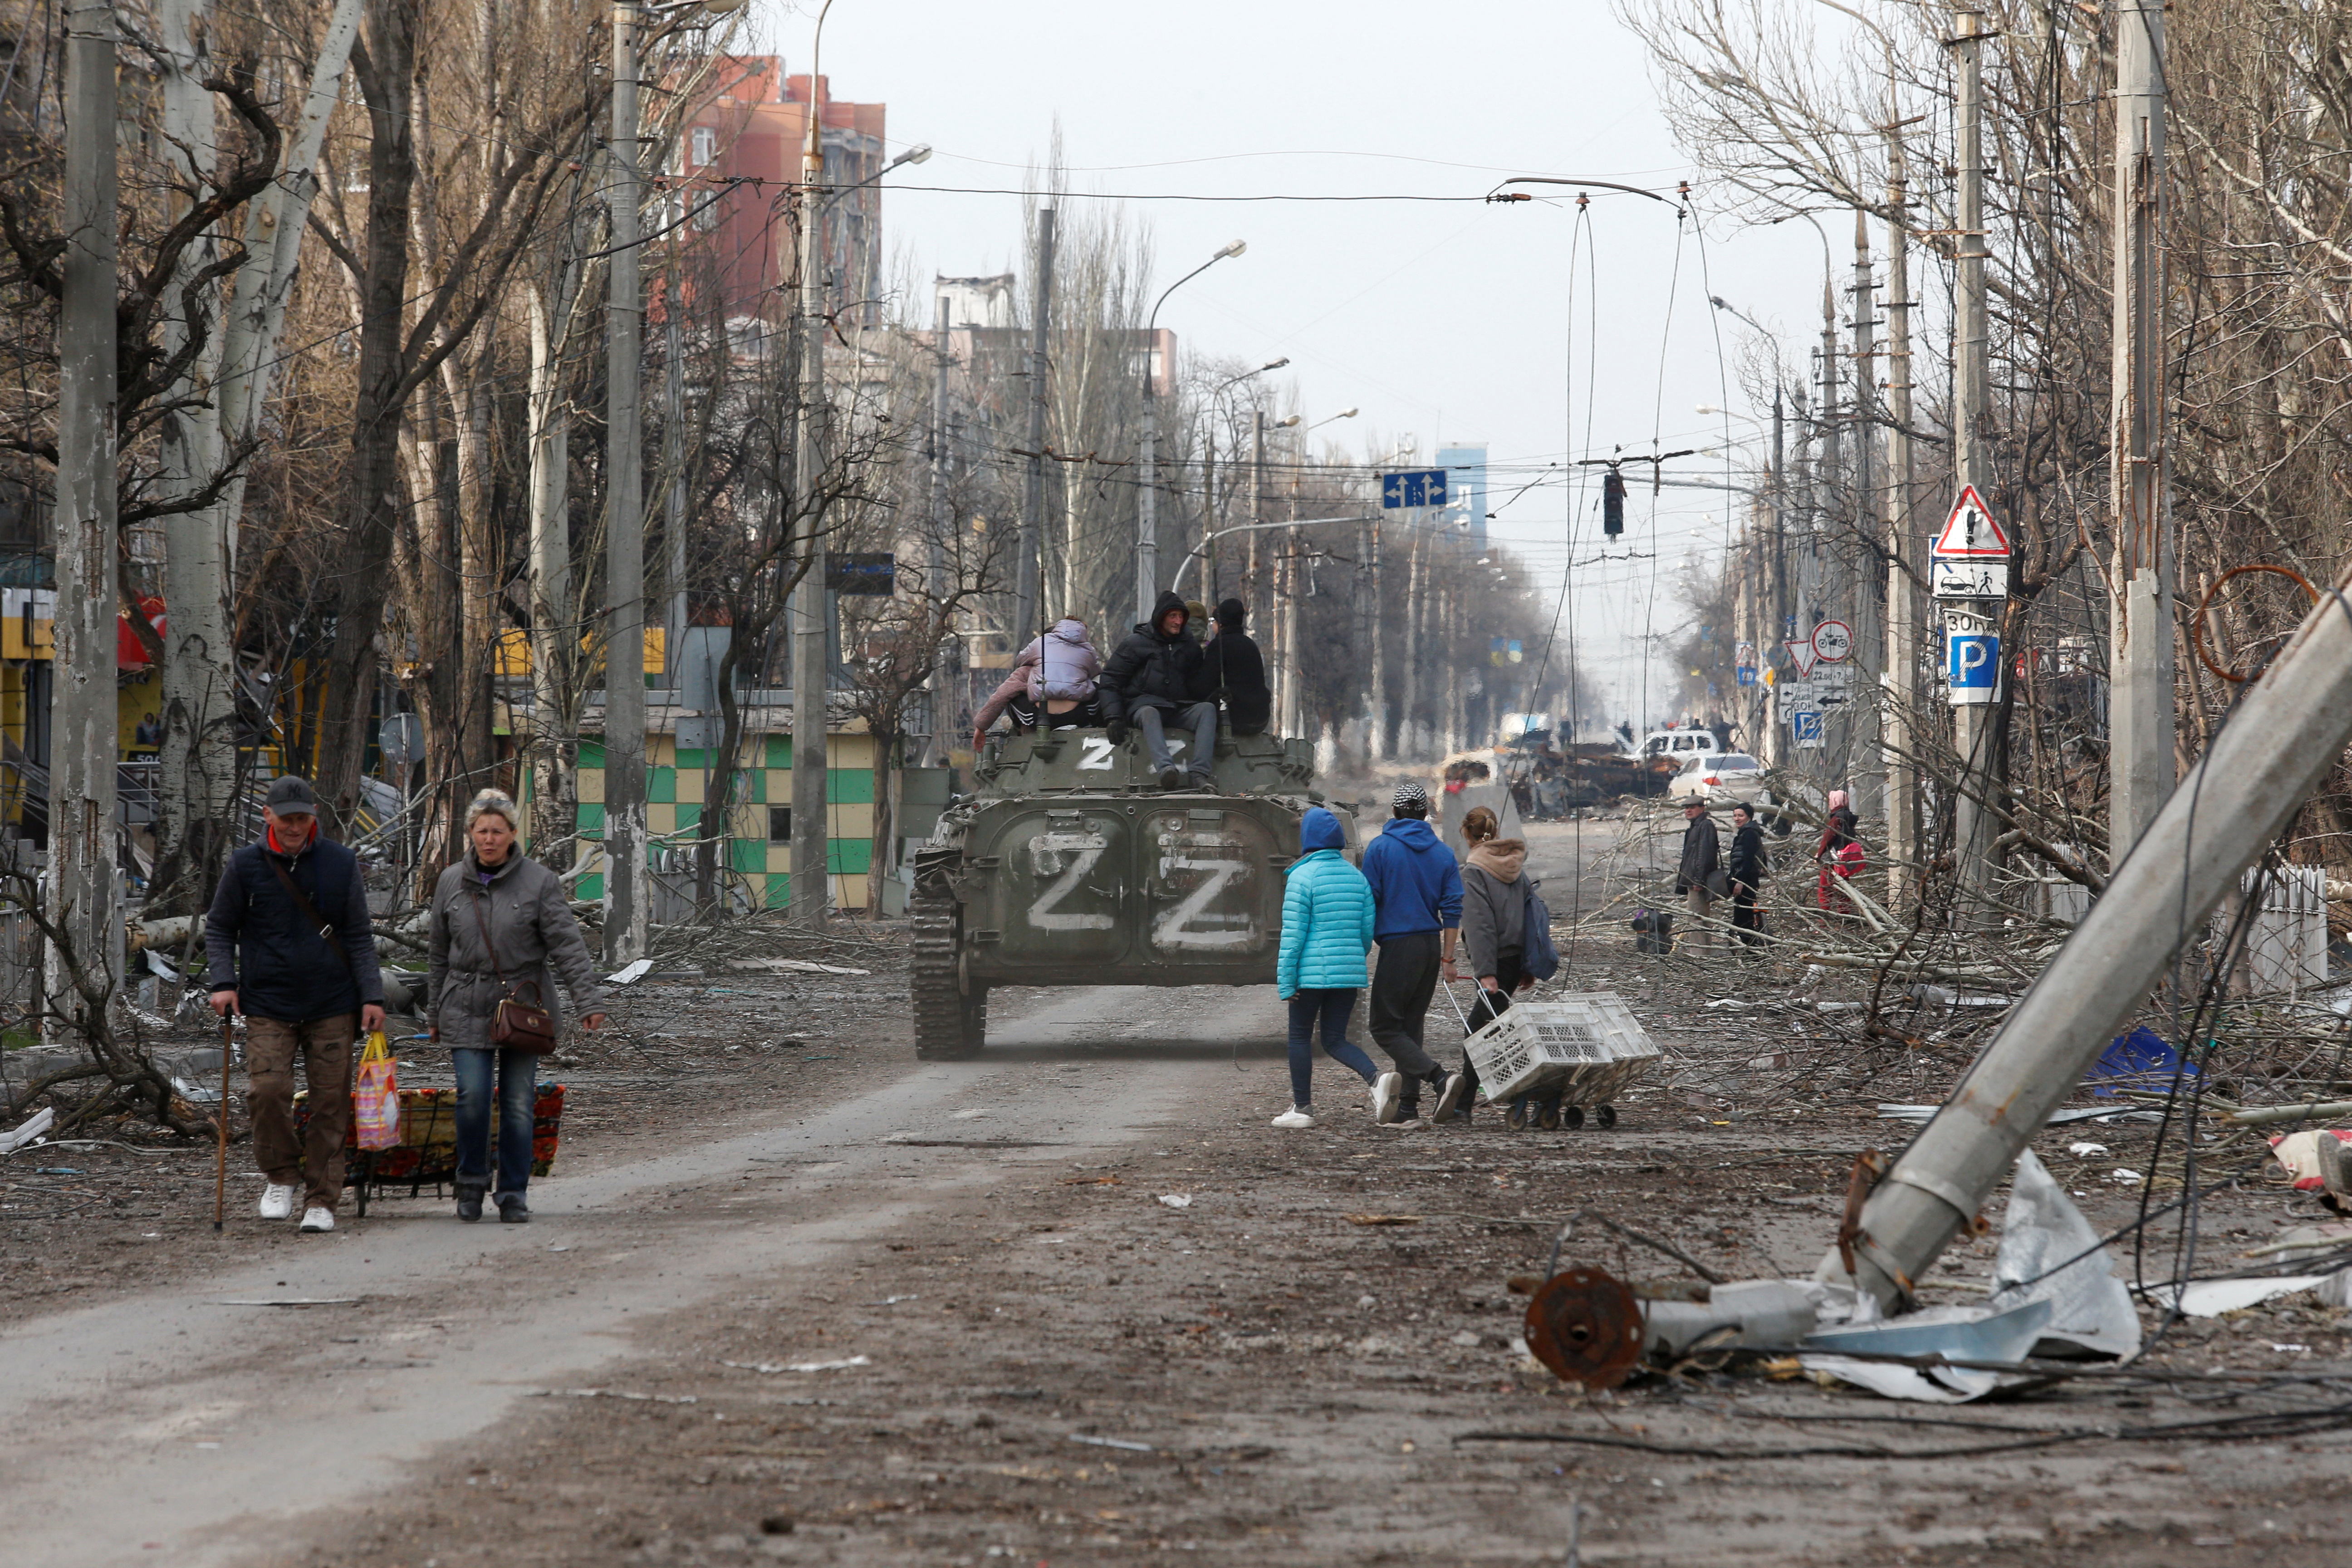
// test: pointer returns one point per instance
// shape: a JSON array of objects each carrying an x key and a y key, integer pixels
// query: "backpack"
[{"x": 1538, "y": 959}]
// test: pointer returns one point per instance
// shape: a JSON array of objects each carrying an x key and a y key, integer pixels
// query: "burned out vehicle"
[{"x": 1070, "y": 865}]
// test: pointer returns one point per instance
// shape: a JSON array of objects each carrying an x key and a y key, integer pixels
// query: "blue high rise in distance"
[{"x": 1466, "y": 482}]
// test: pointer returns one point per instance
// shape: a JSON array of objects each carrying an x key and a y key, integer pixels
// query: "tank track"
[{"x": 949, "y": 1025}]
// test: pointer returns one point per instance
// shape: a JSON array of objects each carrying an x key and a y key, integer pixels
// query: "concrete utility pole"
[
  {"x": 624, "y": 531},
  {"x": 80, "y": 887},
  {"x": 1900, "y": 680},
  {"x": 674, "y": 513},
  {"x": 1257, "y": 504},
  {"x": 1376, "y": 702},
  {"x": 1026, "y": 568},
  {"x": 2221, "y": 821},
  {"x": 1971, "y": 371},
  {"x": 943, "y": 708},
  {"x": 2140, "y": 744},
  {"x": 1864, "y": 742},
  {"x": 812, "y": 884}
]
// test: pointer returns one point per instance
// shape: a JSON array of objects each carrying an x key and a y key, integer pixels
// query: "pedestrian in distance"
[
  {"x": 1840, "y": 855},
  {"x": 1327, "y": 930},
  {"x": 1236, "y": 672},
  {"x": 1494, "y": 938},
  {"x": 1155, "y": 676},
  {"x": 1699, "y": 879},
  {"x": 292, "y": 949},
  {"x": 1746, "y": 867},
  {"x": 1417, "y": 917},
  {"x": 499, "y": 920},
  {"x": 1055, "y": 675}
]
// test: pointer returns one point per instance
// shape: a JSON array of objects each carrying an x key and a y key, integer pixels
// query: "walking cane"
[{"x": 220, "y": 1162}]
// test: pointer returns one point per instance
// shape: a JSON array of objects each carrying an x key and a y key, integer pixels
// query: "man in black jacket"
[
  {"x": 1155, "y": 670},
  {"x": 1698, "y": 877},
  {"x": 1236, "y": 671},
  {"x": 293, "y": 949},
  {"x": 1746, "y": 869}
]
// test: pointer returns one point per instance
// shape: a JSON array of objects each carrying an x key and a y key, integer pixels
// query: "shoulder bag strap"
[
  {"x": 481, "y": 897},
  {"x": 310, "y": 911}
]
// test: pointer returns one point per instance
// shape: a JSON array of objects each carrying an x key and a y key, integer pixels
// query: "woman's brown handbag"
[{"x": 516, "y": 1024}]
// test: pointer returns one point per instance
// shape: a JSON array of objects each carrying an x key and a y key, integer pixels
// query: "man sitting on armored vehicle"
[
  {"x": 1056, "y": 675},
  {"x": 1236, "y": 671},
  {"x": 1157, "y": 669}
]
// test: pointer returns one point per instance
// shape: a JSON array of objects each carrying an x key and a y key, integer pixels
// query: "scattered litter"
[
  {"x": 1375, "y": 1218},
  {"x": 2141, "y": 1059},
  {"x": 973, "y": 1115},
  {"x": 890, "y": 1300},
  {"x": 1119, "y": 1443},
  {"x": 2124, "y": 1175},
  {"x": 1091, "y": 1181},
  {"x": 2086, "y": 1151},
  {"x": 564, "y": 1246},
  {"x": 1466, "y": 1339},
  {"x": 58, "y": 1171},
  {"x": 770, "y": 1368},
  {"x": 293, "y": 1301},
  {"x": 630, "y": 973},
  {"x": 1177, "y": 1199},
  {"x": 615, "y": 1394},
  {"x": 2091, "y": 1308},
  {"x": 2291, "y": 1350},
  {"x": 40, "y": 1122},
  {"x": 2299, "y": 1152},
  {"x": 2213, "y": 1298},
  {"x": 792, "y": 966}
]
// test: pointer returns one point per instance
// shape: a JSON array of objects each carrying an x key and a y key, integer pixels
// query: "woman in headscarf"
[{"x": 1494, "y": 938}]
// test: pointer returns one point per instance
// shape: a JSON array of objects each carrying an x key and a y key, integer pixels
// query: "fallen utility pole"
[
  {"x": 2218, "y": 823},
  {"x": 82, "y": 968}
]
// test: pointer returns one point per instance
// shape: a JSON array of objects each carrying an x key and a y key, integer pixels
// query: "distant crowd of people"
[{"x": 1159, "y": 677}]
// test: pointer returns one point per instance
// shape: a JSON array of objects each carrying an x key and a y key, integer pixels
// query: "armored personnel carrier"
[{"x": 1070, "y": 865}]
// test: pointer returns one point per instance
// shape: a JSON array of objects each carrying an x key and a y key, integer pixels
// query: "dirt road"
[{"x": 949, "y": 1314}]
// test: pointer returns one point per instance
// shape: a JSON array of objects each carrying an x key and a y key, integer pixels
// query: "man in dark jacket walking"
[
  {"x": 1153, "y": 672},
  {"x": 1236, "y": 671},
  {"x": 1698, "y": 874},
  {"x": 292, "y": 948},
  {"x": 1416, "y": 919}
]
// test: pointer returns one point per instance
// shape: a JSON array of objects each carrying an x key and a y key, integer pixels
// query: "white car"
[{"x": 1721, "y": 776}]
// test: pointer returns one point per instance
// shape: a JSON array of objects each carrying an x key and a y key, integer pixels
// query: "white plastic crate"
[{"x": 1584, "y": 1047}]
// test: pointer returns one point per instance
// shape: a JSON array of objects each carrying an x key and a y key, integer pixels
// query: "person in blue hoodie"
[
  {"x": 1326, "y": 929},
  {"x": 1417, "y": 899}
]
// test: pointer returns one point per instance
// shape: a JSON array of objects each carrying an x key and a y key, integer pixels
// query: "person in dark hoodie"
[
  {"x": 1417, "y": 902},
  {"x": 1746, "y": 867},
  {"x": 1155, "y": 672},
  {"x": 1236, "y": 671}
]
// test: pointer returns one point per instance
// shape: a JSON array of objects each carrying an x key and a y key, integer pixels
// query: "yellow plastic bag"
[{"x": 375, "y": 1100}]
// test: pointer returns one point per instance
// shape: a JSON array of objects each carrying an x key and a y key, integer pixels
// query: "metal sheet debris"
[
  {"x": 1959, "y": 1333},
  {"x": 2092, "y": 1313}
]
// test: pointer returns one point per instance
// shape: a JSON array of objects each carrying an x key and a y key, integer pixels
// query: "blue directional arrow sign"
[{"x": 1414, "y": 487}]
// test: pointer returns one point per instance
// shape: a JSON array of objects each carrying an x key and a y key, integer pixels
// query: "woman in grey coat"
[{"x": 519, "y": 905}]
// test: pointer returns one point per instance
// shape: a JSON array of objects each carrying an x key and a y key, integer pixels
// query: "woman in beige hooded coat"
[{"x": 1494, "y": 915}]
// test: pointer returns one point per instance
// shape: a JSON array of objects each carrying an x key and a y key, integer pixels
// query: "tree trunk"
[
  {"x": 884, "y": 735},
  {"x": 386, "y": 70},
  {"x": 554, "y": 660}
]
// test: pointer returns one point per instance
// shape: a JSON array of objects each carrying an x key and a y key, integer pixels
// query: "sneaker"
[
  {"x": 1388, "y": 1089},
  {"x": 1449, "y": 1096},
  {"x": 277, "y": 1202},
  {"x": 512, "y": 1210},
  {"x": 316, "y": 1219},
  {"x": 1296, "y": 1117},
  {"x": 1171, "y": 777}
]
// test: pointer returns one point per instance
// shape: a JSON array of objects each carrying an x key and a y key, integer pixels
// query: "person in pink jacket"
[{"x": 1055, "y": 675}]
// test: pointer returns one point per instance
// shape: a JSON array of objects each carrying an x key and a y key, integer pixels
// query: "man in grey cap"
[
  {"x": 1416, "y": 920},
  {"x": 292, "y": 948}
]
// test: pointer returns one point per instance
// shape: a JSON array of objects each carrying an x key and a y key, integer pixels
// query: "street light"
[
  {"x": 1343, "y": 414},
  {"x": 1146, "y": 509}
]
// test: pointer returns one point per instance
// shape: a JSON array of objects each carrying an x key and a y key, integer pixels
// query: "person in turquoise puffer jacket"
[{"x": 1327, "y": 930}]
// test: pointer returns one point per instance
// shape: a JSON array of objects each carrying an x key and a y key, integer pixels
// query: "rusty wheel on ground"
[{"x": 1586, "y": 1326}]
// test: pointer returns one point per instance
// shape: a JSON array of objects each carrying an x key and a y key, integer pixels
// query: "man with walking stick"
[{"x": 301, "y": 979}]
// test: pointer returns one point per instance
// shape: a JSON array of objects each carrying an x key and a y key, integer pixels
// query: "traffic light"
[{"x": 1612, "y": 503}]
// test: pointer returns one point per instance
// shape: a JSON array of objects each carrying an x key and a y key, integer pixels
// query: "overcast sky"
[{"x": 1445, "y": 319}]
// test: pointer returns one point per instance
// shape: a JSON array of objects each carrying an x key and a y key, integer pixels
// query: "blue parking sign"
[
  {"x": 1972, "y": 666},
  {"x": 1806, "y": 726}
]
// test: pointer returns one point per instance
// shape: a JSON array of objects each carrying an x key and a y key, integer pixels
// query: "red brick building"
[{"x": 748, "y": 127}]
